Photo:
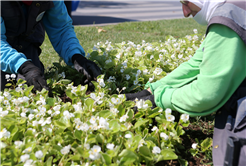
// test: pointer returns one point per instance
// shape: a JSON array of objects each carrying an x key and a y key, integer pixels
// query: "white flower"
[
  {"x": 3, "y": 113},
  {"x": 57, "y": 108},
  {"x": 103, "y": 124},
  {"x": 172, "y": 134},
  {"x": 157, "y": 71},
  {"x": 154, "y": 128},
  {"x": 77, "y": 106},
  {"x": 110, "y": 146},
  {"x": 164, "y": 135},
  {"x": 128, "y": 136},
  {"x": 128, "y": 76},
  {"x": 18, "y": 143},
  {"x": 128, "y": 125},
  {"x": 151, "y": 78},
  {"x": 25, "y": 157},
  {"x": 95, "y": 152},
  {"x": 170, "y": 118},
  {"x": 123, "y": 118},
  {"x": 114, "y": 110},
  {"x": 4, "y": 133},
  {"x": 195, "y": 30},
  {"x": 7, "y": 76},
  {"x": 168, "y": 111},
  {"x": 39, "y": 154},
  {"x": 67, "y": 114},
  {"x": 156, "y": 150},
  {"x": 101, "y": 82},
  {"x": 115, "y": 101},
  {"x": 87, "y": 146},
  {"x": 135, "y": 82},
  {"x": 180, "y": 56},
  {"x": 185, "y": 117},
  {"x": 141, "y": 104},
  {"x": 93, "y": 120},
  {"x": 13, "y": 76},
  {"x": 108, "y": 61},
  {"x": 145, "y": 71},
  {"x": 27, "y": 150},
  {"x": 30, "y": 116},
  {"x": 194, "y": 145},
  {"x": 2, "y": 145},
  {"x": 29, "y": 162},
  {"x": 65, "y": 150},
  {"x": 84, "y": 127}
]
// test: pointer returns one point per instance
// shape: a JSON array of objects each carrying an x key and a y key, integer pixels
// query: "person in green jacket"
[
  {"x": 203, "y": 84},
  {"x": 213, "y": 80}
]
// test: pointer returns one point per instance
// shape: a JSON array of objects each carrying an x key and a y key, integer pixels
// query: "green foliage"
[{"x": 99, "y": 128}]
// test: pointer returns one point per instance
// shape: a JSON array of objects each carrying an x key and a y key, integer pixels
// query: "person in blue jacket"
[{"x": 23, "y": 26}]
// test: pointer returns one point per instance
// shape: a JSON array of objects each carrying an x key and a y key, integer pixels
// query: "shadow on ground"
[{"x": 89, "y": 20}]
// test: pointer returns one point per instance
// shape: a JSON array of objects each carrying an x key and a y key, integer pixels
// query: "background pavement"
[{"x": 103, "y": 12}]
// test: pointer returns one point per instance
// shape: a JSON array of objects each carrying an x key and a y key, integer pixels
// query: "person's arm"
[
  {"x": 60, "y": 30},
  {"x": 221, "y": 71},
  {"x": 10, "y": 59},
  {"x": 183, "y": 74}
]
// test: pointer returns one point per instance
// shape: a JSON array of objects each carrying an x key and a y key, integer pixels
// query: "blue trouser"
[{"x": 228, "y": 126}]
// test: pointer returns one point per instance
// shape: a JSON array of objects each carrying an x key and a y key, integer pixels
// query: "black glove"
[
  {"x": 33, "y": 76},
  {"x": 87, "y": 67},
  {"x": 133, "y": 96}
]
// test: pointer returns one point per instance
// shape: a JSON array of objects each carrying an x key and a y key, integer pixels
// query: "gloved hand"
[
  {"x": 33, "y": 76},
  {"x": 133, "y": 96},
  {"x": 87, "y": 67}
]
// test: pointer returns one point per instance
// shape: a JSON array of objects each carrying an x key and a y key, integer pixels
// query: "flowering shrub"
[{"x": 98, "y": 128}]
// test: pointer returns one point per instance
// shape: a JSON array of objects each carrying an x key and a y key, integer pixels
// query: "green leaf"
[
  {"x": 127, "y": 157},
  {"x": 89, "y": 103},
  {"x": 146, "y": 153},
  {"x": 167, "y": 154},
  {"x": 105, "y": 113},
  {"x": 75, "y": 157},
  {"x": 180, "y": 131},
  {"x": 50, "y": 101},
  {"x": 206, "y": 144},
  {"x": 130, "y": 114},
  {"x": 59, "y": 124},
  {"x": 65, "y": 81},
  {"x": 8, "y": 84},
  {"x": 140, "y": 122},
  {"x": 114, "y": 126},
  {"x": 49, "y": 161},
  {"x": 78, "y": 134},
  {"x": 99, "y": 138},
  {"x": 106, "y": 158}
]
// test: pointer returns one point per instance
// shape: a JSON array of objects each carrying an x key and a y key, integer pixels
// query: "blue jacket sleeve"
[
  {"x": 10, "y": 59},
  {"x": 60, "y": 30}
]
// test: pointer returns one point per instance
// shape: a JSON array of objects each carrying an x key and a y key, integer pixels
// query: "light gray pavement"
[{"x": 103, "y": 12}]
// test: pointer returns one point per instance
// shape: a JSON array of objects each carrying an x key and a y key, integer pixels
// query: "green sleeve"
[
  {"x": 183, "y": 74},
  {"x": 221, "y": 70}
]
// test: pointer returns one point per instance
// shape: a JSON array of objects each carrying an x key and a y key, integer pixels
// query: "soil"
[{"x": 192, "y": 132}]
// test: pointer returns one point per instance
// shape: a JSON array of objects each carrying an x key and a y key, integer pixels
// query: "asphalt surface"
[{"x": 104, "y": 12}]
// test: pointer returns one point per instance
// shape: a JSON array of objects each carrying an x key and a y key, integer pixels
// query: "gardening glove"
[
  {"x": 88, "y": 68},
  {"x": 133, "y": 96},
  {"x": 33, "y": 76},
  {"x": 144, "y": 98}
]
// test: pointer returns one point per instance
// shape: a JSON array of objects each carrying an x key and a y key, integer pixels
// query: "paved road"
[{"x": 103, "y": 12}]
